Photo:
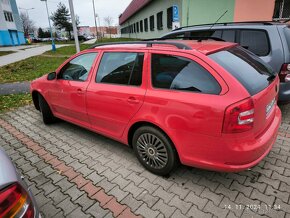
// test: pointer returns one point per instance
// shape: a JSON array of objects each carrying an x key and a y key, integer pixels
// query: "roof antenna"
[{"x": 215, "y": 23}]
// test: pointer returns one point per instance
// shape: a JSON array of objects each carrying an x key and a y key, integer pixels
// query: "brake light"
[
  {"x": 239, "y": 117},
  {"x": 15, "y": 202},
  {"x": 284, "y": 74}
]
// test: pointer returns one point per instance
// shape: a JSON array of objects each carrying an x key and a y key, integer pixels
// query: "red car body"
[{"x": 195, "y": 122}]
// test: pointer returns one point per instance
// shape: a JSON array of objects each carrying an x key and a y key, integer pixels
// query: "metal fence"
[{"x": 282, "y": 10}]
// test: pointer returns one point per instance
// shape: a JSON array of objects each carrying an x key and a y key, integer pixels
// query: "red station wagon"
[{"x": 206, "y": 104}]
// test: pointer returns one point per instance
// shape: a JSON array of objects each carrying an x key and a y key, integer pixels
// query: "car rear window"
[
  {"x": 246, "y": 67},
  {"x": 287, "y": 36}
]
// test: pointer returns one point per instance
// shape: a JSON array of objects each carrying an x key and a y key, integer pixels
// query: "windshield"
[{"x": 254, "y": 74}]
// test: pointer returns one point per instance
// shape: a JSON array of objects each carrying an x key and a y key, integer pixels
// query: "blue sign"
[{"x": 175, "y": 13}]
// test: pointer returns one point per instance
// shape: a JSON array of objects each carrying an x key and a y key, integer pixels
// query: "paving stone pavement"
[{"x": 76, "y": 173}]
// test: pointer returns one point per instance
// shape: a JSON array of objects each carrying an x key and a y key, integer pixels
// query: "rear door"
[{"x": 117, "y": 92}]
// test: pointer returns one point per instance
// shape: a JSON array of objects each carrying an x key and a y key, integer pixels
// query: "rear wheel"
[
  {"x": 47, "y": 115},
  {"x": 154, "y": 150}
]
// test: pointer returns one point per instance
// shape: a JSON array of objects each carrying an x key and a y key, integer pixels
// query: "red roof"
[{"x": 133, "y": 8}]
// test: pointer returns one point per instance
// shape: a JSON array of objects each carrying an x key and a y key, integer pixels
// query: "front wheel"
[
  {"x": 47, "y": 115},
  {"x": 154, "y": 150}
]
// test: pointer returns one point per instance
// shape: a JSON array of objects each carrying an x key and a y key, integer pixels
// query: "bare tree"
[
  {"x": 27, "y": 23},
  {"x": 108, "y": 22}
]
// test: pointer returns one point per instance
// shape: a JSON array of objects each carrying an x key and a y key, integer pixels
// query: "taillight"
[
  {"x": 15, "y": 202},
  {"x": 284, "y": 74},
  {"x": 239, "y": 117}
]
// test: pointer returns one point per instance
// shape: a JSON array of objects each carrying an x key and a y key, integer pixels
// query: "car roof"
[
  {"x": 234, "y": 24},
  {"x": 205, "y": 46}
]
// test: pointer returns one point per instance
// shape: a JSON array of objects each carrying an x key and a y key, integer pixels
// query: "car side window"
[
  {"x": 79, "y": 68},
  {"x": 178, "y": 73},
  {"x": 207, "y": 33},
  {"x": 229, "y": 35},
  {"x": 122, "y": 68},
  {"x": 256, "y": 41}
]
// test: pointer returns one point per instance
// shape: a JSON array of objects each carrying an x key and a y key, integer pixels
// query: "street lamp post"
[
  {"x": 71, "y": 6},
  {"x": 95, "y": 18},
  {"x": 52, "y": 40},
  {"x": 27, "y": 9}
]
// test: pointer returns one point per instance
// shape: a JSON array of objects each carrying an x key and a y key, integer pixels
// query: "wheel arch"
[
  {"x": 139, "y": 124},
  {"x": 35, "y": 94}
]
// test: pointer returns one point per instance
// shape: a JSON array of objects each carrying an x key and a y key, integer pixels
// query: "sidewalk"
[{"x": 27, "y": 53}]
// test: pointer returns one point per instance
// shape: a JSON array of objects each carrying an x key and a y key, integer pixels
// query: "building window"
[
  {"x": 141, "y": 26},
  {"x": 169, "y": 17},
  {"x": 8, "y": 16},
  {"x": 160, "y": 20},
  {"x": 146, "y": 24},
  {"x": 134, "y": 27},
  {"x": 137, "y": 25},
  {"x": 282, "y": 10},
  {"x": 152, "y": 23}
]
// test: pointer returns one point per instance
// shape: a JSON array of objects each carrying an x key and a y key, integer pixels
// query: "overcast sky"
[{"x": 83, "y": 8}]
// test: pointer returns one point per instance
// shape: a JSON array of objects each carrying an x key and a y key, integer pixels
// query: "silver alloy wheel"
[{"x": 152, "y": 150}]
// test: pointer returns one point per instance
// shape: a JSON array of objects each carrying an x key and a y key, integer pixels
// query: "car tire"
[
  {"x": 47, "y": 115},
  {"x": 154, "y": 150}
]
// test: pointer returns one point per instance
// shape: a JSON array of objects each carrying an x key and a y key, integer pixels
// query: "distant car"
[
  {"x": 206, "y": 104},
  {"x": 61, "y": 39},
  {"x": 268, "y": 40},
  {"x": 82, "y": 38},
  {"x": 16, "y": 200},
  {"x": 90, "y": 37}
]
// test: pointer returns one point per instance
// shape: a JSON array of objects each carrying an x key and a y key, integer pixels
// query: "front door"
[
  {"x": 68, "y": 95},
  {"x": 117, "y": 93}
]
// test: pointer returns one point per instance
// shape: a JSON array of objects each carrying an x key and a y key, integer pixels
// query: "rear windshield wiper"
[{"x": 271, "y": 78}]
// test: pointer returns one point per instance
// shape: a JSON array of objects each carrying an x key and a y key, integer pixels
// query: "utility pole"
[
  {"x": 52, "y": 40},
  {"x": 72, "y": 13},
  {"x": 95, "y": 18}
]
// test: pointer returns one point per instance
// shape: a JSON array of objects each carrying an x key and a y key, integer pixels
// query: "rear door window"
[
  {"x": 256, "y": 41},
  {"x": 178, "y": 73},
  {"x": 254, "y": 74}
]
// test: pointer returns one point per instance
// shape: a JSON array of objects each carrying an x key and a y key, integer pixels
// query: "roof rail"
[
  {"x": 228, "y": 23},
  {"x": 178, "y": 45},
  {"x": 198, "y": 38}
]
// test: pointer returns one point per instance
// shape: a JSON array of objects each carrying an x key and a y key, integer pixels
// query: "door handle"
[{"x": 133, "y": 100}]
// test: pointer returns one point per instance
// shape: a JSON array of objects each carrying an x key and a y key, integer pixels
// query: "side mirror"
[{"x": 51, "y": 76}]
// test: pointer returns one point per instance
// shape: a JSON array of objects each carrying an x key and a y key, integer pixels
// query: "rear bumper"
[
  {"x": 284, "y": 92},
  {"x": 234, "y": 154}
]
